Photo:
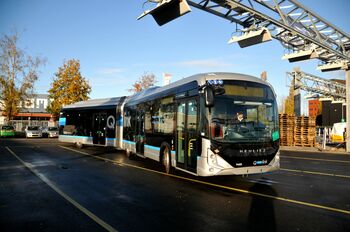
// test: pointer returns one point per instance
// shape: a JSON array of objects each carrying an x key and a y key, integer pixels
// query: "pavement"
[
  {"x": 329, "y": 149},
  {"x": 50, "y": 186}
]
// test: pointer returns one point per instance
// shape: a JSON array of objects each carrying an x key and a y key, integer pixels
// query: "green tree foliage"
[
  {"x": 289, "y": 101},
  {"x": 146, "y": 81},
  {"x": 68, "y": 87},
  {"x": 18, "y": 73}
]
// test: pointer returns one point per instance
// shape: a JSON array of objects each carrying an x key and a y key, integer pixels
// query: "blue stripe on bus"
[
  {"x": 149, "y": 147},
  {"x": 157, "y": 148},
  {"x": 129, "y": 142},
  {"x": 76, "y": 136},
  {"x": 84, "y": 137},
  {"x": 152, "y": 147}
]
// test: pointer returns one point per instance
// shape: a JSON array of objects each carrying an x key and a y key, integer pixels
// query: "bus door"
[
  {"x": 186, "y": 136},
  {"x": 99, "y": 128},
  {"x": 140, "y": 132}
]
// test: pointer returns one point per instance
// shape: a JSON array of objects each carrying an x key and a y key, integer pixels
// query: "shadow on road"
[{"x": 262, "y": 213}]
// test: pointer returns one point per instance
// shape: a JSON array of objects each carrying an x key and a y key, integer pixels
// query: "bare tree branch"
[
  {"x": 18, "y": 73},
  {"x": 146, "y": 81}
]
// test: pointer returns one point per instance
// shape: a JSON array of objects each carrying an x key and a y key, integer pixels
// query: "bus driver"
[{"x": 239, "y": 117}]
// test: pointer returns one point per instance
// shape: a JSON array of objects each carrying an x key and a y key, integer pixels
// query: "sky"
[{"x": 115, "y": 49}]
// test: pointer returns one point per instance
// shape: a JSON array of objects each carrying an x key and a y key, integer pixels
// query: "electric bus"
[{"x": 189, "y": 125}]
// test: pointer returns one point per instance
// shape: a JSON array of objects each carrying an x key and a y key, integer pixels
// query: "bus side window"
[
  {"x": 166, "y": 118},
  {"x": 127, "y": 119},
  {"x": 130, "y": 124}
]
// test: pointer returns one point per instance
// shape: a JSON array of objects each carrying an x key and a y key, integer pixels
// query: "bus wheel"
[
  {"x": 166, "y": 159},
  {"x": 79, "y": 145},
  {"x": 129, "y": 154}
]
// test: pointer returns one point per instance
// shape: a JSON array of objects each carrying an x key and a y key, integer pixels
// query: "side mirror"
[
  {"x": 219, "y": 90},
  {"x": 209, "y": 97}
]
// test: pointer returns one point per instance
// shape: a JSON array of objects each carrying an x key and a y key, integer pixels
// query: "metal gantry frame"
[
  {"x": 303, "y": 33},
  {"x": 313, "y": 84},
  {"x": 294, "y": 25}
]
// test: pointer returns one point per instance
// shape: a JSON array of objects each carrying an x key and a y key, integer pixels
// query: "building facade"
[
  {"x": 32, "y": 112},
  {"x": 314, "y": 107}
]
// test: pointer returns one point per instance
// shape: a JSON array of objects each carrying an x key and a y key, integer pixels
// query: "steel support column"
[{"x": 347, "y": 77}]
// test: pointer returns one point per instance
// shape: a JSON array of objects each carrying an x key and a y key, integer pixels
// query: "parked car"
[
  {"x": 50, "y": 132},
  {"x": 7, "y": 131},
  {"x": 33, "y": 131}
]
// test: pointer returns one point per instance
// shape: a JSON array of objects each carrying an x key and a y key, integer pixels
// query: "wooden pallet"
[{"x": 297, "y": 131}]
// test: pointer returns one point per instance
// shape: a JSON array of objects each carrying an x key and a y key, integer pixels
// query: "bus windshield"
[{"x": 244, "y": 116}]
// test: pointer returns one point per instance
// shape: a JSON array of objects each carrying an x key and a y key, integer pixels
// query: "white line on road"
[
  {"x": 314, "y": 173},
  {"x": 64, "y": 195},
  {"x": 315, "y": 159},
  {"x": 218, "y": 185}
]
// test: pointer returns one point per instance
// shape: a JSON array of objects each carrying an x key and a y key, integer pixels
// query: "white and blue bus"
[{"x": 190, "y": 125}]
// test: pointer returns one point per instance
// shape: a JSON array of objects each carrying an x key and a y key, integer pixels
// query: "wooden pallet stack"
[
  {"x": 304, "y": 131},
  {"x": 286, "y": 123},
  {"x": 310, "y": 132},
  {"x": 297, "y": 131}
]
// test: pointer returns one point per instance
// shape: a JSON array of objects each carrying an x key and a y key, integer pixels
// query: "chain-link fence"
[{"x": 20, "y": 125}]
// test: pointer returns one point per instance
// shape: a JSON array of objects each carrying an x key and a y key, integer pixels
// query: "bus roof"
[
  {"x": 179, "y": 86},
  {"x": 94, "y": 103},
  {"x": 189, "y": 83}
]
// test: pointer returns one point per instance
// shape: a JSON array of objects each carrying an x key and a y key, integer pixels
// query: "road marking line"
[
  {"x": 264, "y": 181},
  {"x": 315, "y": 159},
  {"x": 217, "y": 185},
  {"x": 314, "y": 173},
  {"x": 11, "y": 167},
  {"x": 64, "y": 195}
]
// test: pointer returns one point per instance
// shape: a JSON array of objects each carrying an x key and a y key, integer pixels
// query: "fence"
[{"x": 20, "y": 125}]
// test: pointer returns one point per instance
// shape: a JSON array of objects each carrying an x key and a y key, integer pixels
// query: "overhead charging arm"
[{"x": 167, "y": 10}]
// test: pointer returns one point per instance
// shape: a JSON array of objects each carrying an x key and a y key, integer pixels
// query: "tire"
[
  {"x": 129, "y": 154},
  {"x": 166, "y": 159},
  {"x": 79, "y": 145}
]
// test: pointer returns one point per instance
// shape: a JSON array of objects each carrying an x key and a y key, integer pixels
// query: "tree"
[
  {"x": 18, "y": 73},
  {"x": 289, "y": 101},
  {"x": 281, "y": 103},
  {"x": 146, "y": 81},
  {"x": 68, "y": 87}
]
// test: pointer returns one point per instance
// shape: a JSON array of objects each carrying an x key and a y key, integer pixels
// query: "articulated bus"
[{"x": 190, "y": 125}]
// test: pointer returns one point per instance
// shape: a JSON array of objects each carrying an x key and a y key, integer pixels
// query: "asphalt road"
[{"x": 49, "y": 186}]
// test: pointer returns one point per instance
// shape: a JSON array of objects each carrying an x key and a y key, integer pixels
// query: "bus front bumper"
[{"x": 221, "y": 167}]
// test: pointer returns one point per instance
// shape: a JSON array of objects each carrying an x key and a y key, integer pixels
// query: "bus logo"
[
  {"x": 253, "y": 152},
  {"x": 111, "y": 122},
  {"x": 259, "y": 162}
]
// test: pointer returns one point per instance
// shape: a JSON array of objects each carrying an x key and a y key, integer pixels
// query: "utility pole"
[{"x": 347, "y": 79}]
